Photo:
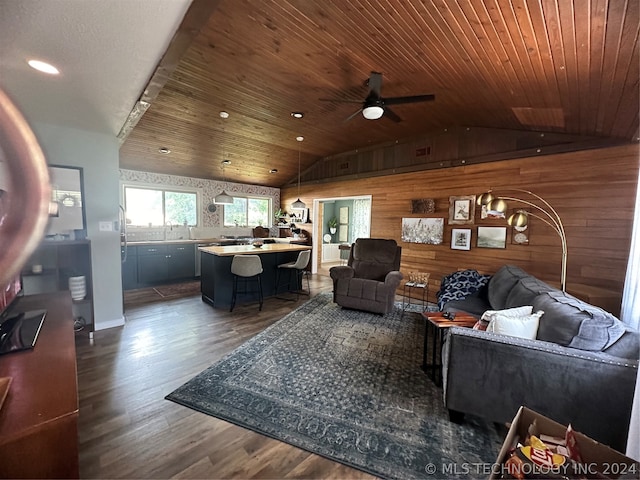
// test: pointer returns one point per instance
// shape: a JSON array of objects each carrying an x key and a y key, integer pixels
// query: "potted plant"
[
  {"x": 279, "y": 216},
  {"x": 333, "y": 224}
]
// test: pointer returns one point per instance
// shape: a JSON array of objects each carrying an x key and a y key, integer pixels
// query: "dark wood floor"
[{"x": 128, "y": 430}]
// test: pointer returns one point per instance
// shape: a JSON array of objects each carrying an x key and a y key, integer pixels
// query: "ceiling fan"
[{"x": 374, "y": 106}]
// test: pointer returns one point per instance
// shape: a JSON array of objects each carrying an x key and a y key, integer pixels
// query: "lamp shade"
[
  {"x": 223, "y": 199},
  {"x": 497, "y": 205},
  {"x": 518, "y": 219},
  {"x": 372, "y": 113},
  {"x": 485, "y": 199},
  {"x": 299, "y": 205}
]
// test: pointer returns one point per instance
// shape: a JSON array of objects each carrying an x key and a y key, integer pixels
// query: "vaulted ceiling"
[
  {"x": 548, "y": 65},
  {"x": 545, "y": 65}
]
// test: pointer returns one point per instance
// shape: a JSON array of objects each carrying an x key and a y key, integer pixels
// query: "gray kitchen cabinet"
[{"x": 162, "y": 263}]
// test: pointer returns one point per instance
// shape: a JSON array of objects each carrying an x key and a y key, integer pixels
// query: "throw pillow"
[
  {"x": 523, "y": 326},
  {"x": 509, "y": 312},
  {"x": 459, "y": 285},
  {"x": 489, "y": 315}
]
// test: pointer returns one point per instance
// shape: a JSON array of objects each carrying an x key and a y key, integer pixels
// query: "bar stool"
[
  {"x": 246, "y": 268},
  {"x": 297, "y": 271}
]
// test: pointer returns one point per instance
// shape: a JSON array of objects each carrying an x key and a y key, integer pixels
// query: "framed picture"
[
  {"x": 492, "y": 237},
  {"x": 343, "y": 233},
  {"x": 462, "y": 209},
  {"x": 344, "y": 215},
  {"x": 423, "y": 230},
  {"x": 461, "y": 239}
]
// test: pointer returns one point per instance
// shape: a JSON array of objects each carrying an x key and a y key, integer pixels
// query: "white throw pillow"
[
  {"x": 523, "y": 326},
  {"x": 509, "y": 312}
]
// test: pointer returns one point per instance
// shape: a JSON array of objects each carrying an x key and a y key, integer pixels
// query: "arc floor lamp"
[{"x": 498, "y": 203}]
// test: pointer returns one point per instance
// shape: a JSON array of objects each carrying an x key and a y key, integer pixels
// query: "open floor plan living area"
[{"x": 319, "y": 239}]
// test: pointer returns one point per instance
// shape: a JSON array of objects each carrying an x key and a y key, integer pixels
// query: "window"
[
  {"x": 155, "y": 207},
  {"x": 248, "y": 212}
]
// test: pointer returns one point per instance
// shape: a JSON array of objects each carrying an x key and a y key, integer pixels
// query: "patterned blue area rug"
[{"x": 346, "y": 385}]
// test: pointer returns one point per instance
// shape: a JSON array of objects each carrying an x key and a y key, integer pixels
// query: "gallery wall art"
[{"x": 423, "y": 230}]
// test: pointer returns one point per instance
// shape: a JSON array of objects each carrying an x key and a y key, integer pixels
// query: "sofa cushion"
[
  {"x": 523, "y": 325},
  {"x": 460, "y": 285},
  {"x": 627, "y": 346},
  {"x": 571, "y": 322},
  {"x": 473, "y": 304},
  {"x": 525, "y": 290},
  {"x": 502, "y": 283}
]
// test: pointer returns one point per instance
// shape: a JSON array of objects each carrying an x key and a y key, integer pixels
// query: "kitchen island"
[{"x": 216, "y": 281}]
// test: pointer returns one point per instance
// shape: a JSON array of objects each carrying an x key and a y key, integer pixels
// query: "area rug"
[
  {"x": 178, "y": 290},
  {"x": 346, "y": 385}
]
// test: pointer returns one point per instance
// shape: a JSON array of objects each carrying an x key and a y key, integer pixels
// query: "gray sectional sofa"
[{"x": 581, "y": 368}]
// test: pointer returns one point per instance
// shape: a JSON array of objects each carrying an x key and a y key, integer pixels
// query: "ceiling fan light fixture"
[{"x": 373, "y": 112}]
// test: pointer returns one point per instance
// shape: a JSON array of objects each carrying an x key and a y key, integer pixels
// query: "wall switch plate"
[{"x": 106, "y": 226}]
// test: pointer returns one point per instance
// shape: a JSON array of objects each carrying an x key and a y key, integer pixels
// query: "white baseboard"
[{"x": 116, "y": 322}]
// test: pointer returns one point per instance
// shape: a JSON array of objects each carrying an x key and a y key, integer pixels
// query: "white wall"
[{"x": 98, "y": 155}]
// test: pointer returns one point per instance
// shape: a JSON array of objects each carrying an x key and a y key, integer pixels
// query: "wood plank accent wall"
[{"x": 592, "y": 190}]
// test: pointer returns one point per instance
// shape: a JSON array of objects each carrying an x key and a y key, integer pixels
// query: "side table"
[
  {"x": 437, "y": 326},
  {"x": 419, "y": 281}
]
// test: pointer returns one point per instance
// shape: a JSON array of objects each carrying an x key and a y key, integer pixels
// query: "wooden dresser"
[{"x": 39, "y": 418}]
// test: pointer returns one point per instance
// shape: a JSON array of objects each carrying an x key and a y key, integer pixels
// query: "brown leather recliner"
[{"x": 370, "y": 278}]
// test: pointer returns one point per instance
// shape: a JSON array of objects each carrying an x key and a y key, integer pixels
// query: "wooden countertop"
[{"x": 231, "y": 250}]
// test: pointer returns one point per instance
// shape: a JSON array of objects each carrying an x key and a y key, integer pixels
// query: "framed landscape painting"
[{"x": 492, "y": 237}]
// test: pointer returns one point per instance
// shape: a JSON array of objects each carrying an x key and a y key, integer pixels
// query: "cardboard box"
[{"x": 597, "y": 459}]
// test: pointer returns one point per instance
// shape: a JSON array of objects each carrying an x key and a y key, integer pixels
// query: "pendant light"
[
  {"x": 299, "y": 204},
  {"x": 223, "y": 198}
]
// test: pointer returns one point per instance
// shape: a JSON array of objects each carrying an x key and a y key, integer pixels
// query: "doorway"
[{"x": 352, "y": 217}]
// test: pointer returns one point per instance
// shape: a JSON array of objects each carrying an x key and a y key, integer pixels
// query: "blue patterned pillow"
[{"x": 460, "y": 285}]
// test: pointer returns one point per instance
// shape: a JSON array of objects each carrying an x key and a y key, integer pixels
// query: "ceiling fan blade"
[
  {"x": 354, "y": 114},
  {"x": 375, "y": 83},
  {"x": 391, "y": 115},
  {"x": 410, "y": 99}
]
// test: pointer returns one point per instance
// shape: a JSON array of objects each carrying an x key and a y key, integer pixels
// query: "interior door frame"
[{"x": 317, "y": 224}]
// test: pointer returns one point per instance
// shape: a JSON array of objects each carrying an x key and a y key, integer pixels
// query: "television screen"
[
  {"x": 9, "y": 293},
  {"x": 18, "y": 329}
]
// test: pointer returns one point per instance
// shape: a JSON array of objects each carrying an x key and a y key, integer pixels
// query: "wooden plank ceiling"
[{"x": 543, "y": 65}]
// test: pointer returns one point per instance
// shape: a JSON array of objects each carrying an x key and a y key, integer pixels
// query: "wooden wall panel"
[{"x": 592, "y": 190}]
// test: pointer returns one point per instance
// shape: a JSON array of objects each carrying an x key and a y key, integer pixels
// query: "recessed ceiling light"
[
  {"x": 299, "y": 139},
  {"x": 164, "y": 150},
  {"x": 43, "y": 67},
  {"x": 224, "y": 114},
  {"x": 273, "y": 170},
  {"x": 297, "y": 114}
]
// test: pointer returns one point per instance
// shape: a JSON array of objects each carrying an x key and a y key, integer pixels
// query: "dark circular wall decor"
[{"x": 212, "y": 207}]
